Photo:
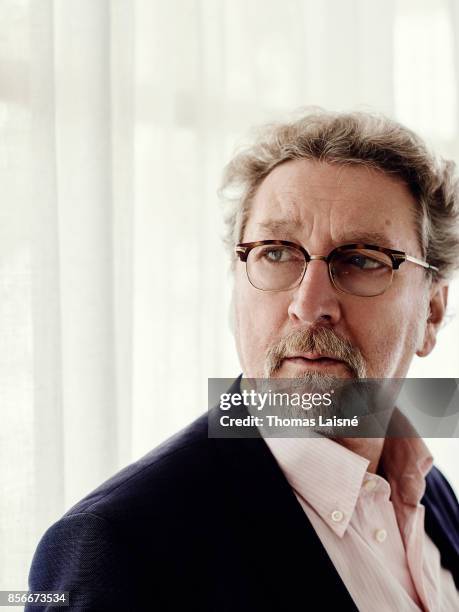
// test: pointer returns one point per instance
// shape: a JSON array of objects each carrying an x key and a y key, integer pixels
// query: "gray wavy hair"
[{"x": 353, "y": 138}]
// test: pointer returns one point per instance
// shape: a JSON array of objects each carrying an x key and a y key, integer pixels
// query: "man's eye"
[
  {"x": 363, "y": 262},
  {"x": 276, "y": 255}
]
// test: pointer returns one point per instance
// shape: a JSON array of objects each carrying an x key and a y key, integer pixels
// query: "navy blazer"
[{"x": 206, "y": 524}]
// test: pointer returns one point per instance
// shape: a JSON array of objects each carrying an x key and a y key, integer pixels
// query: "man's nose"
[{"x": 315, "y": 300}]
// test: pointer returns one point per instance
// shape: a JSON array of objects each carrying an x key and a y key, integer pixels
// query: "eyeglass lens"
[{"x": 359, "y": 272}]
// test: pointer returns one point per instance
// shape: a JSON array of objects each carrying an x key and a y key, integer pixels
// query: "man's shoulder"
[
  {"x": 156, "y": 480},
  {"x": 130, "y": 528}
]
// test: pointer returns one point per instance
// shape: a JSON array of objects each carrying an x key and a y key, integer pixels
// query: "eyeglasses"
[{"x": 365, "y": 270}]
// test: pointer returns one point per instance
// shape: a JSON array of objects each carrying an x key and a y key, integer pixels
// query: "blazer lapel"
[{"x": 281, "y": 548}]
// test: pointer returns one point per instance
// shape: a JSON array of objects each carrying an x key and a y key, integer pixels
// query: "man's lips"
[
  {"x": 314, "y": 360},
  {"x": 313, "y": 356}
]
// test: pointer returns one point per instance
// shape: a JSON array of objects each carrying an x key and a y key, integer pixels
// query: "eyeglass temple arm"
[{"x": 419, "y": 262}]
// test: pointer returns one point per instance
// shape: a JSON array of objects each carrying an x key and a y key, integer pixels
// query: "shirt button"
[
  {"x": 337, "y": 516},
  {"x": 370, "y": 485},
  {"x": 381, "y": 535}
]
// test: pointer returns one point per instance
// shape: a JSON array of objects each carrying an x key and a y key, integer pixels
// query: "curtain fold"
[
  {"x": 82, "y": 122},
  {"x": 47, "y": 459}
]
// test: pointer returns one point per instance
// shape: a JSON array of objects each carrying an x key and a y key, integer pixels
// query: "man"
[{"x": 344, "y": 235}]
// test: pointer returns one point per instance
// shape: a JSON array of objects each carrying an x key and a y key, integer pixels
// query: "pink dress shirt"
[{"x": 372, "y": 528}]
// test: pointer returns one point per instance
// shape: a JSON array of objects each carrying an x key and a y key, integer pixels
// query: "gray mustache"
[{"x": 315, "y": 340}]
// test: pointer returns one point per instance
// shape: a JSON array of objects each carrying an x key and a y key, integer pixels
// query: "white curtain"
[{"x": 116, "y": 118}]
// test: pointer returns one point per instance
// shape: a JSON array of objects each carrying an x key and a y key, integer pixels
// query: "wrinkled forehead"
[{"x": 304, "y": 199}]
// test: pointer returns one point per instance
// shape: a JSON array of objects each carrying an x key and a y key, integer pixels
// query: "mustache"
[{"x": 315, "y": 340}]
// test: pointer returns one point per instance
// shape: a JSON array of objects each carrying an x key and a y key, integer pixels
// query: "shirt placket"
[{"x": 414, "y": 542}]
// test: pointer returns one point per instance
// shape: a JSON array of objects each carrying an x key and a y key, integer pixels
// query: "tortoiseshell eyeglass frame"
[{"x": 397, "y": 257}]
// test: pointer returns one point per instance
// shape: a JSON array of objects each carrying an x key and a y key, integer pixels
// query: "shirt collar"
[
  {"x": 406, "y": 461},
  {"x": 325, "y": 474},
  {"x": 329, "y": 476}
]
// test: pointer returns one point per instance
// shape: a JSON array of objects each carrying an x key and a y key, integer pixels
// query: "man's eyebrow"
[
  {"x": 283, "y": 226},
  {"x": 376, "y": 238},
  {"x": 280, "y": 225}
]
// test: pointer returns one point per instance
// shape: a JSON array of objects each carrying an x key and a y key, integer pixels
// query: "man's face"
[{"x": 321, "y": 206}]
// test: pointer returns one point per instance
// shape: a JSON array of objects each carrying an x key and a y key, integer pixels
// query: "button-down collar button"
[
  {"x": 381, "y": 535},
  {"x": 337, "y": 516},
  {"x": 370, "y": 485}
]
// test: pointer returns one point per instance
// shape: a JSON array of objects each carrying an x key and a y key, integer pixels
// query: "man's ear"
[{"x": 436, "y": 313}]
